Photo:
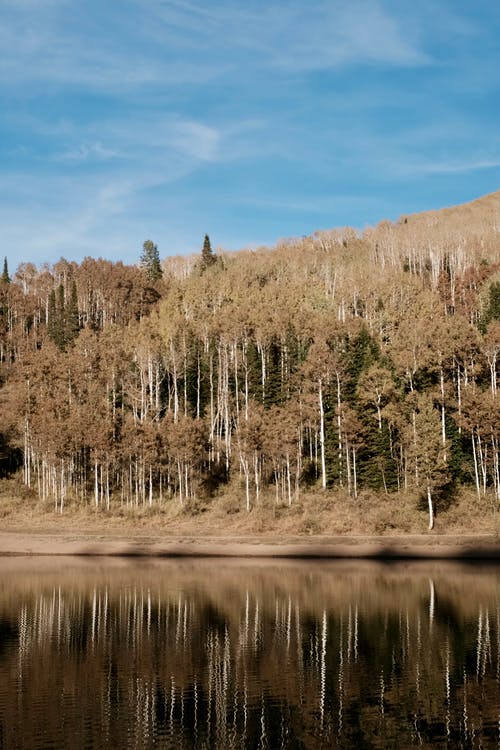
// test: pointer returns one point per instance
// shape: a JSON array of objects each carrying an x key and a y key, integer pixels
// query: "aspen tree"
[
  {"x": 249, "y": 439},
  {"x": 282, "y": 446},
  {"x": 376, "y": 390},
  {"x": 490, "y": 348},
  {"x": 320, "y": 368},
  {"x": 352, "y": 441},
  {"x": 428, "y": 452}
]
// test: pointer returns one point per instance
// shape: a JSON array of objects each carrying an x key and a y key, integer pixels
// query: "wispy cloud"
[
  {"x": 86, "y": 152},
  {"x": 57, "y": 43},
  {"x": 178, "y": 42},
  {"x": 451, "y": 166},
  {"x": 196, "y": 140},
  {"x": 56, "y": 216},
  {"x": 304, "y": 37},
  {"x": 164, "y": 118},
  {"x": 119, "y": 163},
  {"x": 150, "y": 140},
  {"x": 356, "y": 33}
]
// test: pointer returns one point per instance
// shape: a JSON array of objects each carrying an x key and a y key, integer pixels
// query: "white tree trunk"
[
  {"x": 322, "y": 434},
  {"x": 431, "y": 508}
]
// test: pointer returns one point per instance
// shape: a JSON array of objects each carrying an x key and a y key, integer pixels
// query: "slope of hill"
[{"x": 356, "y": 369}]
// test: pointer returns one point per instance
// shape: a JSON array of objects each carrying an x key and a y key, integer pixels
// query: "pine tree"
[
  {"x": 494, "y": 302},
  {"x": 492, "y": 311},
  {"x": 57, "y": 322},
  {"x": 5, "y": 273},
  {"x": 208, "y": 257},
  {"x": 150, "y": 261},
  {"x": 61, "y": 314},
  {"x": 72, "y": 321},
  {"x": 52, "y": 316}
]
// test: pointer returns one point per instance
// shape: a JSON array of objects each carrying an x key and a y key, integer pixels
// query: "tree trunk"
[
  {"x": 257, "y": 476},
  {"x": 96, "y": 484},
  {"x": 431, "y": 508},
  {"x": 244, "y": 466},
  {"x": 339, "y": 430},
  {"x": 355, "y": 478},
  {"x": 443, "y": 412},
  {"x": 476, "y": 469},
  {"x": 322, "y": 434}
]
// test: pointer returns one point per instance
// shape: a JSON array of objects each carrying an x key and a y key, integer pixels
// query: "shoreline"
[{"x": 15, "y": 543}]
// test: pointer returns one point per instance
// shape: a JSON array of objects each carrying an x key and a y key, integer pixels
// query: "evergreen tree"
[
  {"x": 61, "y": 316},
  {"x": 63, "y": 323},
  {"x": 208, "y": 257},
  {"x": 52, "y": 317},
  {"x": 5, "y": 273},
  {"x": 494, "y": 302},
  {"x": 150, "y": 261},
  {"x": 72, "y": 321},
  {"x": 492, "y": 308},
  {"x": 361, "y": 352}
]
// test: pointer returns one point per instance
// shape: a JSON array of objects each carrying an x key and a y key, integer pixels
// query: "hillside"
[{"x": 343, "y": 370}]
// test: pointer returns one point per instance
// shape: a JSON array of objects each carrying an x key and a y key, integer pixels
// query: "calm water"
[{"x": 234, "y": 654}]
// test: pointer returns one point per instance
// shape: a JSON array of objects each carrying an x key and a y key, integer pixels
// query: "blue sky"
[{"x": 127, "y": 120}]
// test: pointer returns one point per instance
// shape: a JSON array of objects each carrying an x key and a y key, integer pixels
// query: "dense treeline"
[{"x": 341, "y": 360}]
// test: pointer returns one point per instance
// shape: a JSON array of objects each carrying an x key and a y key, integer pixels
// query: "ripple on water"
[{"x": 210, "y": 655}]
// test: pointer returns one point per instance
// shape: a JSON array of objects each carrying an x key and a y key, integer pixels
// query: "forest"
[{"x": 346, "y": 361}]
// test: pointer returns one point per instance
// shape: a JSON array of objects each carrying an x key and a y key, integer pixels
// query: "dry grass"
[{"x": 317, "y": 512}]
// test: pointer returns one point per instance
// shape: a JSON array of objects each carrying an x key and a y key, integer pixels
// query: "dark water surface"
[{"x": 231, "y": 654}]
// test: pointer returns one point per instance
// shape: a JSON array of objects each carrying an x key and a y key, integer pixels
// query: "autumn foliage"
[{"x": 342, "y": 360}]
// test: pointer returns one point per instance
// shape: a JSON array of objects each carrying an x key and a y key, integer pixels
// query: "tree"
[
  {"x": 208, "y": 257},
  {"x": 55, "y": 321},
  {"x": 492, "y": 311},
  {"x": 63, "y": 320},
  {"x": 321, "y": 367},
  {"x": 250, "y": 443},
  {"x": 150, "y": 261},
  {"x": 72, "y": 323},
  {"x": 5, "y": 273},
  {"x": 376, "y": 390},
  {"x": 427, "y": 451}
]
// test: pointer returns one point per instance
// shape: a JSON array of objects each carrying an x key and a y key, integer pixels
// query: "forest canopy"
[{"x": 341, "y": 360}]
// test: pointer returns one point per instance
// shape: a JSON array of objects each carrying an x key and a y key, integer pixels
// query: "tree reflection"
[{"x": 218, "y": 656}]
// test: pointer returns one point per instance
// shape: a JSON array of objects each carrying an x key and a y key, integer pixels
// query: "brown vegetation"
[{"x": 342, "y": 383}]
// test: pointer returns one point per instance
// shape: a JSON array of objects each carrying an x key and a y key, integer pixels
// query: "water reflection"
[{"x": 235, "y": 654}]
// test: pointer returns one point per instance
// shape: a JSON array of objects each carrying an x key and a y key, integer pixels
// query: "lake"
[{"x": 135, "y": 653}]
